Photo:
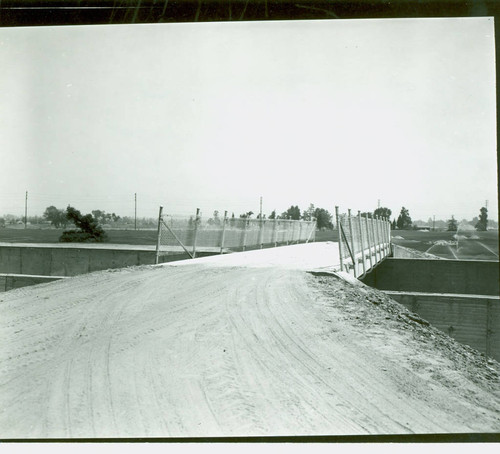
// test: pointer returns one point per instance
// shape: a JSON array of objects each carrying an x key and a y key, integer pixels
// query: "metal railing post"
[
  {"x": 261, "y": 232},
  {"x": 378, "y": 237},
  {"x": 245, "y": 220},
  {"x": 312, "y": 232},
  {"x": 158, "y": 238},
  {"x": 275, "y": 232},
  {"x": 362, "y": 242},
  {"x": 224, "y": 222},
  {"x": 196, "y": 222},
  {"x": 372, "y": 218},
  {"x": 368, "y": 241},
  {"x": 353, "y": 249},
  {"x": 386, "y": 236},
  {"x": 341, "y": 248},
  {"x": 388, "y": 227}
]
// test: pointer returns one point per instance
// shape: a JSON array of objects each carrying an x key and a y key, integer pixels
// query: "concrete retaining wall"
[
  {"x": 476, "y": 277},
  {"x": 12, "y": 281},
  {"x": 24, "y": 265},
  {"x": 60, "y": 261},
  {"x": 470, "y": 319}
]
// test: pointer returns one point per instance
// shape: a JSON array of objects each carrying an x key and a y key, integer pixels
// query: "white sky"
[{"x": 215, "y": 115}]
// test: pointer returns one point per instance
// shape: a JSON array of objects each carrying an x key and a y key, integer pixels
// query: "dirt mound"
[{"x": 202, "y": 350}]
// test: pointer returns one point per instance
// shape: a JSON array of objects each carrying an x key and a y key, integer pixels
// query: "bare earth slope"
[{"x": 202, "y": 350}]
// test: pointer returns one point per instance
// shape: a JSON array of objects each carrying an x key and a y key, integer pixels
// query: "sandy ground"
[{"x": 217, "y": 347}]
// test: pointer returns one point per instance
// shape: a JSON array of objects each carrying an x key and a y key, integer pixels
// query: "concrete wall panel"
[
  {"x": 471, "y": 320},
  {"x": 10, "y": 260},
  {"x": 10, "y": 282},
  {"x": 436, "y": 276},
  {"x": 35, "y": 261},
  {"x": 69, "y": 262}
]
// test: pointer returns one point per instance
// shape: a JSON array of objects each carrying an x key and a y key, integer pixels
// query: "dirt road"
[{"x": 206, "y": 350}]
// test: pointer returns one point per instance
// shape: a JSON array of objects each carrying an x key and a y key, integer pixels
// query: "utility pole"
[
  {"x": 26, "y": 211},
  {"x": 135, "y": 211},
  {"x": 433, "y": 222},
  {"x": 486, "y": 204},
  {"x": 260, "y": 208}
]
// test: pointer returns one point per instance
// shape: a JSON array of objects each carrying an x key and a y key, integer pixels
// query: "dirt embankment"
[{"x": 201, "y": 350}]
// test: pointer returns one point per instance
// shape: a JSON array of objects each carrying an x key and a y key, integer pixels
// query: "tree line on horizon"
[{"x": 58, "y": 218}]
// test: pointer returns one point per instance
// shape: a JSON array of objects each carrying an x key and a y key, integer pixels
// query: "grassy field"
[
  {"x": 142, "y": 237},
  {"x": 471, "y": 245}
]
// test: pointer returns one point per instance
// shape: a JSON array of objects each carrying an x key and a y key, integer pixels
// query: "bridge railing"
[
  {"x": 364, "y": 241},
  {"x": 219, "y": 234}
]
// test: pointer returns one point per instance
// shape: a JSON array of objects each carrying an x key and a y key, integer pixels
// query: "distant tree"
[
  {"x": 35, "y": 219},
  {"x": 393, "y": 225},
  {"x": 215, "y": 220},
  {"x": 292, "y": 213},
  {"x": 103, "y": 218},
  {"x": 246, "y": 215},
  {"x": 452, "y": 224},
  {"x": 404, "y": 220},
  {"x": 11, "y": 219},
  {"x": 232, "y": 220},
  {"x": 482, "y": 224},
  {"x": 89, "y": 228},
  {"x": 55, "y": 216},
  {"x": 323, "y": 219},
  {"x": 308, "y": 214},
  {"x": 383, "y": 212},
  {"x": 272, "y": 215},
  {"x": 2, "y": 222}
]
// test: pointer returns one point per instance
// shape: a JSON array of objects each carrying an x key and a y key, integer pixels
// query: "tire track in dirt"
[
  {"x": 201, "y": 351},
  {"x": 291, "y": 347}
]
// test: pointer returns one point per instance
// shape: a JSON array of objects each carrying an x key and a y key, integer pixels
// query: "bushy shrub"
[{"x": 90, "y": 231}]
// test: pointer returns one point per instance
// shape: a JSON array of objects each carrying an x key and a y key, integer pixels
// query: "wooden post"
[
  {"x": 224, "y": 222},
  {"x": 158, "y": 236},
  {"x": 341, "y": 248},
  {"x": 196, "y": 222},
  {"x": 353, "y": 249},
  {"x": 362, "y": 242}
]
